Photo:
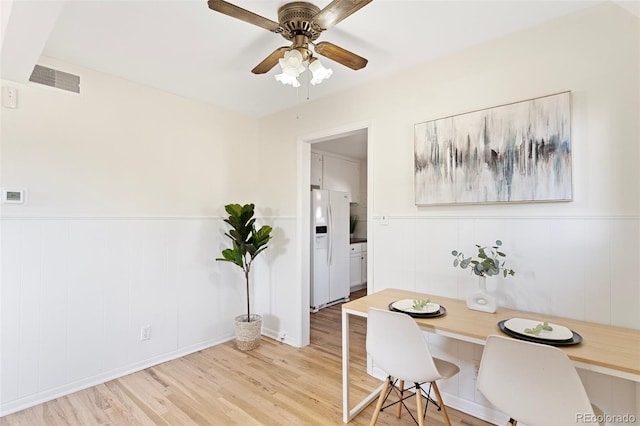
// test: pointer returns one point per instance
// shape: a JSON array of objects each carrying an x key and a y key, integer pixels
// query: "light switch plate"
[{"x": 9, "y": 97}]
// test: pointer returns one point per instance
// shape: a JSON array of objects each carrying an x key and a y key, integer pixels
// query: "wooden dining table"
[{"x": 604, "y": 348}]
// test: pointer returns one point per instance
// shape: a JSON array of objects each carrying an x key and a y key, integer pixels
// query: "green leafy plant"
[
  {"x": 487, "y": 264},
  {"x": 353, "y": 221},
  {"x": 538, "y": 328},
  {"x": 247, "y": 242},
  {"x": 420, "y": 303}
]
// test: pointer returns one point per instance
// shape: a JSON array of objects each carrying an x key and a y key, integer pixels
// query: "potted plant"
[
  {"x": 247, "y": 243},
  {"x": 353, "y": 221},
  {"x": 488, "y": 263}
]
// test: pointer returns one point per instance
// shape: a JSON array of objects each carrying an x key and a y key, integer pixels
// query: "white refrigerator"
[{"x": 329, "y": 248}]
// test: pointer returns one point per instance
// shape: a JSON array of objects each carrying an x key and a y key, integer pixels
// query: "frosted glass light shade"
[
  {"x": 286, "y": 78},
  {"x": 292, "y": 63},
  {"x": 320, "y": 73},
  {"x": 292, "y": 67}
]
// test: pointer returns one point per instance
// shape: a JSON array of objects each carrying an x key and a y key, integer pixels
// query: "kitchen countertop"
[{"x": 358, "y": 240}]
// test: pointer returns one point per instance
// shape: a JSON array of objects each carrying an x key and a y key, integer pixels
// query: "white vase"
[{"x": 481, "y": 299}]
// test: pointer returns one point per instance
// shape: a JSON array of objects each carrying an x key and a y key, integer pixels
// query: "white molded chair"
[
  {"x": 532, "y": 383},
  {"x": 398, "y": 347}
]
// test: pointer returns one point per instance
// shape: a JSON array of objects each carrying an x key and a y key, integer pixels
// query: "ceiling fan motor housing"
[{"x": 296, "y": 18}]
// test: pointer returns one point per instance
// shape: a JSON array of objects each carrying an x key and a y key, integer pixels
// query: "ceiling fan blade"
[
  {"x": 270, "y": 61},
  {"x": 336, "y": 11},
  {"x": 340, "y": 55},
  {"x": 244, "y": 15}
]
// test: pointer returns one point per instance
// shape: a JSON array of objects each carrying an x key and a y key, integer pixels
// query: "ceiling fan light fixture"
[
  {"x": 301, "y": 23},
  {"x": 320, "y": 73}
]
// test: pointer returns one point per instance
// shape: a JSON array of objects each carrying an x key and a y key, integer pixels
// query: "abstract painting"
[{"x": 518, "y": 152}]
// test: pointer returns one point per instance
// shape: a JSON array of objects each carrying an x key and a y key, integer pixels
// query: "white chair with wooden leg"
[
  {"x": 397, "y": 346},
  {"x": 533, "y": 383}
]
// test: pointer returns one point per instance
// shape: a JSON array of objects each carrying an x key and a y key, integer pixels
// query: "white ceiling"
[{"x": 185, "y": 48}]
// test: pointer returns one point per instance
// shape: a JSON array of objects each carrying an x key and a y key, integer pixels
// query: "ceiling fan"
[{"x": 301, "y": 23}]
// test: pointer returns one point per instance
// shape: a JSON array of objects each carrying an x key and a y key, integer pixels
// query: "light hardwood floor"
[{"x": 275, "y": 384}]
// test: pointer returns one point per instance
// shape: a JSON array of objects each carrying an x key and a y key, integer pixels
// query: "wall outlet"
[
  {"x": 282, "y": 335},
  {"x": 145, "y": 332}
]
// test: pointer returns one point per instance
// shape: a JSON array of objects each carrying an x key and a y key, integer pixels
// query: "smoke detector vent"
[{"x": 55, "y": 78}]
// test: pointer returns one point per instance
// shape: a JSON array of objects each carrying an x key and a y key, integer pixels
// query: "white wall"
[
  {"x": 125, "y": 187},
  {"x": 577, "y": 259},
  {"x": 121, "y": 149},
  {"x": 130, "y": 182}
]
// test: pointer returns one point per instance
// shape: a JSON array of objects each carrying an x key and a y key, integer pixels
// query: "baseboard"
[
  {"x": 358, "y": 287},
  {"x": 57, "y": 392},
  {"x": 275, "y": 335},
  {"x": 482, "y": 412}
]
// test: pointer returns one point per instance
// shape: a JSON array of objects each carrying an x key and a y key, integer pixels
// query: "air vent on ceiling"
[{"x": 55, "y": 78}]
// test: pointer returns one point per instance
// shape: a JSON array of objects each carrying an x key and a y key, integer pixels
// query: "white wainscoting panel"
[
  {"x": 277, "y": 293},
  {"x": 624, "y": 258},
  {"x": 75, "y": 293}
]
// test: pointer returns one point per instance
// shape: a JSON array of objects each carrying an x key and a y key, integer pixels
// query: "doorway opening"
[{"x": 330, "y": 161}]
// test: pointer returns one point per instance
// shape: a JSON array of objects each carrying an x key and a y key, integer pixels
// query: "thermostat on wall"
[{"x": 13, "y": 196}]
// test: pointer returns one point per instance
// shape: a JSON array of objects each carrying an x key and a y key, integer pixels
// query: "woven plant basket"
[{"x": 248, "y": 333}]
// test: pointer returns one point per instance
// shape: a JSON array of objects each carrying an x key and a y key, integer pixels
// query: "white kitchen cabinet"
[
  {"x": 316, "y": 170},
  {"x": 355, "y": 271},
  {"x": 340, "y": 174},
  {"x": 357, "y": 265}
]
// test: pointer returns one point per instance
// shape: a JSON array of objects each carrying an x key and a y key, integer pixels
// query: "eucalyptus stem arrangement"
[{"x": 488, "y": 263}]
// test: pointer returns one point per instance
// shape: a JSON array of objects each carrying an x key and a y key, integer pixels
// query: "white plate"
[
  {"x": 406, "y": 305},
  {"x": 518, "y": 325}
]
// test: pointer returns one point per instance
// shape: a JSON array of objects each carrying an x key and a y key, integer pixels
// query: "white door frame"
[{"x": 304, "y": 219}]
